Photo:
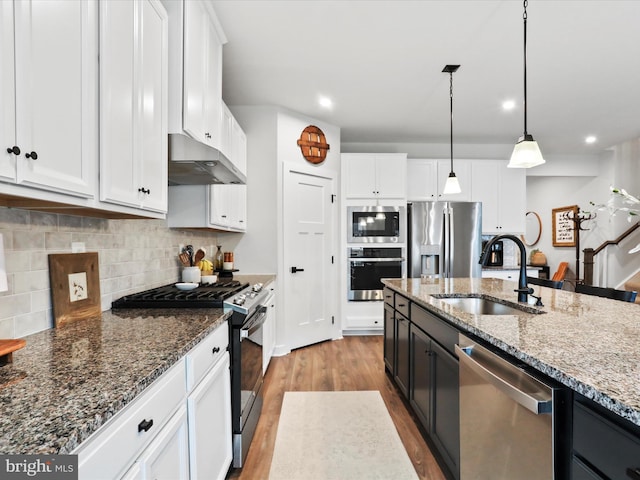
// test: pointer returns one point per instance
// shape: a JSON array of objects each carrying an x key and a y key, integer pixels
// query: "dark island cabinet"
[
  {"x": 605, "y": 446},
  {"x": 418, "y": 354},
  {"x": 421, "y": 376},
  {"x": 402, "y": 354},
  {"x": 389, "y": 338},
  {"x": 434, "y": 392}
]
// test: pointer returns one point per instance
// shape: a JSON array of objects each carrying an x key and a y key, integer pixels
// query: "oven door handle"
[
  {"x": 367, "y": 260},
  {"x": 256, "y": 324}
]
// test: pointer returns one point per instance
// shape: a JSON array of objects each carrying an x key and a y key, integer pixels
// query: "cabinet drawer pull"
[
  {"x": 15, "y": 150},
  {"x": 32, "y": 155},
  {"x": 145, "y": 425},
  {"x": 215, "y": 350}
]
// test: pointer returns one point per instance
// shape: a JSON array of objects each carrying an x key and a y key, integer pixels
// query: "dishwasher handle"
[{"x": 528, "y": 401}]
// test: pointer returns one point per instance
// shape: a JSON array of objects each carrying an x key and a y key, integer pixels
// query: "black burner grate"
[{"x": 169, "y": 296}]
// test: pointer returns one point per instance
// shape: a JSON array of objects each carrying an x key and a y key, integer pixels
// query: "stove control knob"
[
  {"x": 257, "y": 287},
  {"x": 239, "y": 300}
]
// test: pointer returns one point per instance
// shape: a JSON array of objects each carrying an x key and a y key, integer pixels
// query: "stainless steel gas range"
[{"x": 245, "y": 343}]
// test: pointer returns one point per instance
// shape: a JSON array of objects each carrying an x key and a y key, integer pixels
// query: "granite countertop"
[
  {"x": 590, "y": 344},
  {"x": 67, "y": 382}
]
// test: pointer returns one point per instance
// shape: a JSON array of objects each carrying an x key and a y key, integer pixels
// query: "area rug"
[{"x": 338, "y": 435}]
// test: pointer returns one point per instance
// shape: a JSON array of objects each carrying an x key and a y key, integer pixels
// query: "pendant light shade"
[
  {"x": 526, "y": 153},
  {"x": 452, "y": 184}
]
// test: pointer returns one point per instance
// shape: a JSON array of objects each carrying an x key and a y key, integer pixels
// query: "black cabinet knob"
[
  {"x": 215, "y": 350},
  {"x": 15, "y": 150},
  {"x": 145, "y": 425},
  {"x": 32, "y": 155},
  {"x": 144, "y": 190}
]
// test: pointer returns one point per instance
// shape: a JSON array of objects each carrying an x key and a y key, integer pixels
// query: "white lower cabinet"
[
  {"x": 210, "y": 435},
  {"x": 167, "y": 457},
  {"x": 179, "y": 428},
  {"x": 128, "y": 435}
]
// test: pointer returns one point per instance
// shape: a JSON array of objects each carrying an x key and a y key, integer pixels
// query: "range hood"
[{"x": 194, "y": 163}]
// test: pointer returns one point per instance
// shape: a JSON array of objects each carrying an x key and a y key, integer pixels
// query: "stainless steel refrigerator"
[{"x": 444, "y": 239}]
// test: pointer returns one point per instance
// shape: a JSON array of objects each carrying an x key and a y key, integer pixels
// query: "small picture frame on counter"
[{"x": 75, "y": 286}]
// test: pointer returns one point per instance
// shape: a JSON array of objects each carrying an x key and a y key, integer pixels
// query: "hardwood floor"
[{"x": 353, "y": 363}]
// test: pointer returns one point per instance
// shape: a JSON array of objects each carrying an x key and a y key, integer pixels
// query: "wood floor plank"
[{"x": 352, "y": 363}]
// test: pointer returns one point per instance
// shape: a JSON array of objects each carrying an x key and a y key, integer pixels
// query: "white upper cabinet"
[
  {"x": 49, "y": 114},
  {"x": 195, "y": 55},
  {"x": 219, "y": 207},
  {"x": 377, "y": 176},
  {"x": 503, "y": 193},
  {"x": 133, "y": 104},
  {"x": 233, "y": 141},
  {"x": 426, "y": 179}
]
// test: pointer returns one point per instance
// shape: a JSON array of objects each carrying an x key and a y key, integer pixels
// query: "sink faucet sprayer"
[{"x": 523, "y": 289}]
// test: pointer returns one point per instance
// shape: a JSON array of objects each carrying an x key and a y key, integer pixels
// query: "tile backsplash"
[{"x": 134, "y": 255}]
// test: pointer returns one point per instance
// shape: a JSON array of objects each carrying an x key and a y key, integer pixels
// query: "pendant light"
[
  {"x": 526, "y": 153},
  {"x": 452, "y": 185}
]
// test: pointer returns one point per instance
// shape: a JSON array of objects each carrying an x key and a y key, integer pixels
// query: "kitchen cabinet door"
[
  {"x": 502, "y": 192},
  {"x": 167, "y": 457},
  {"x": 8, "y": 159},
  {"x": 389, "y": 338},
  {"x": 422, "y": 180},
  {"x": 239, "y": 146},
  {"x": 381, "y": 176},
  {"x": 54, "y": 95},
  {"x": 133, "y": 101},
  {"x": 421, "y": 376},
  {"x": 445, "y": 423},
  {"x": 218, "y": 207},
  {"x": 402, "y": 354},
  {"x": 202, "y": 76},
  {"x": 210, "y": 435}
]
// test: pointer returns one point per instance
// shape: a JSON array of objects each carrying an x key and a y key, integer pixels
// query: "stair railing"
[{"x": 590, "y": 253}]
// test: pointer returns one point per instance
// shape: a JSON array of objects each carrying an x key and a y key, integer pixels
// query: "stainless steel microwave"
[{"x": 375, "y": 224}]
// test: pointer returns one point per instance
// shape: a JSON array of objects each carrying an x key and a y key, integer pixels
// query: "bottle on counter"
[{"x": 218, "y": 259}]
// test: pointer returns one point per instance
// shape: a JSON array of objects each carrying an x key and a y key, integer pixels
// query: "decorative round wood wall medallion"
[{"x": 313, "y": 144}]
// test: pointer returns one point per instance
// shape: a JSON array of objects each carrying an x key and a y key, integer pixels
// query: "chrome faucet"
[{"x": 523, "y": 289}]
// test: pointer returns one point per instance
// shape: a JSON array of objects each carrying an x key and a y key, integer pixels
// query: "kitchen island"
[
  {"x": 583, "y": 346},
  {"x": 590, "y": 344}
]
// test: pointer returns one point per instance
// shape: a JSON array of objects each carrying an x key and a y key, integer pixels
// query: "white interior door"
[{"x": 308, "y": 248}]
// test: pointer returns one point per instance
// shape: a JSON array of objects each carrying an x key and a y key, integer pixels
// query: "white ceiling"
[{"x": 381, "y": 63}]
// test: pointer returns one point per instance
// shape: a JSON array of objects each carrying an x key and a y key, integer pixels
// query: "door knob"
[{"x": 296, "y": 269}]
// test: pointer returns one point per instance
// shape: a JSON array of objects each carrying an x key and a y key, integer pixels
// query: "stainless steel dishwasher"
[{"x": 506, "y": 419}]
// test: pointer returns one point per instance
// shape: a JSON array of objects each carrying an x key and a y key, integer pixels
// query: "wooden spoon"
[{"x": 199, "y": 255}]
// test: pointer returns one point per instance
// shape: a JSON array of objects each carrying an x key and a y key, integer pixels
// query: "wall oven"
[
  {"x": 367, "y": 266},
  {"x": 376, "y": 224}
]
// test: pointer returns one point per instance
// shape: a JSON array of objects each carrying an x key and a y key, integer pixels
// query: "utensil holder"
[{"x": 191, "y": 275}]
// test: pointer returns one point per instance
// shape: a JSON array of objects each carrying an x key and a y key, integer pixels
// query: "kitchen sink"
[{"x": 483, "y": 305}]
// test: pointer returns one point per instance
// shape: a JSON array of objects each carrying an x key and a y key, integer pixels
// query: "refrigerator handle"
[
  {"x": 451, "y": 239},
  {"x": 446, "y": 247}
]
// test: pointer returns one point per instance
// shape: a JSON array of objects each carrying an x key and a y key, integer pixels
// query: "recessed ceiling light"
[
  {"x": 508, "y": 105},
  {"x": 325, "y": 102},
  {"x": 591, "y": 139}
]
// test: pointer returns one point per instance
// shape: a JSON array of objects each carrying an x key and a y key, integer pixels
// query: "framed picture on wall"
[{"x": 563, "y": 227}]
